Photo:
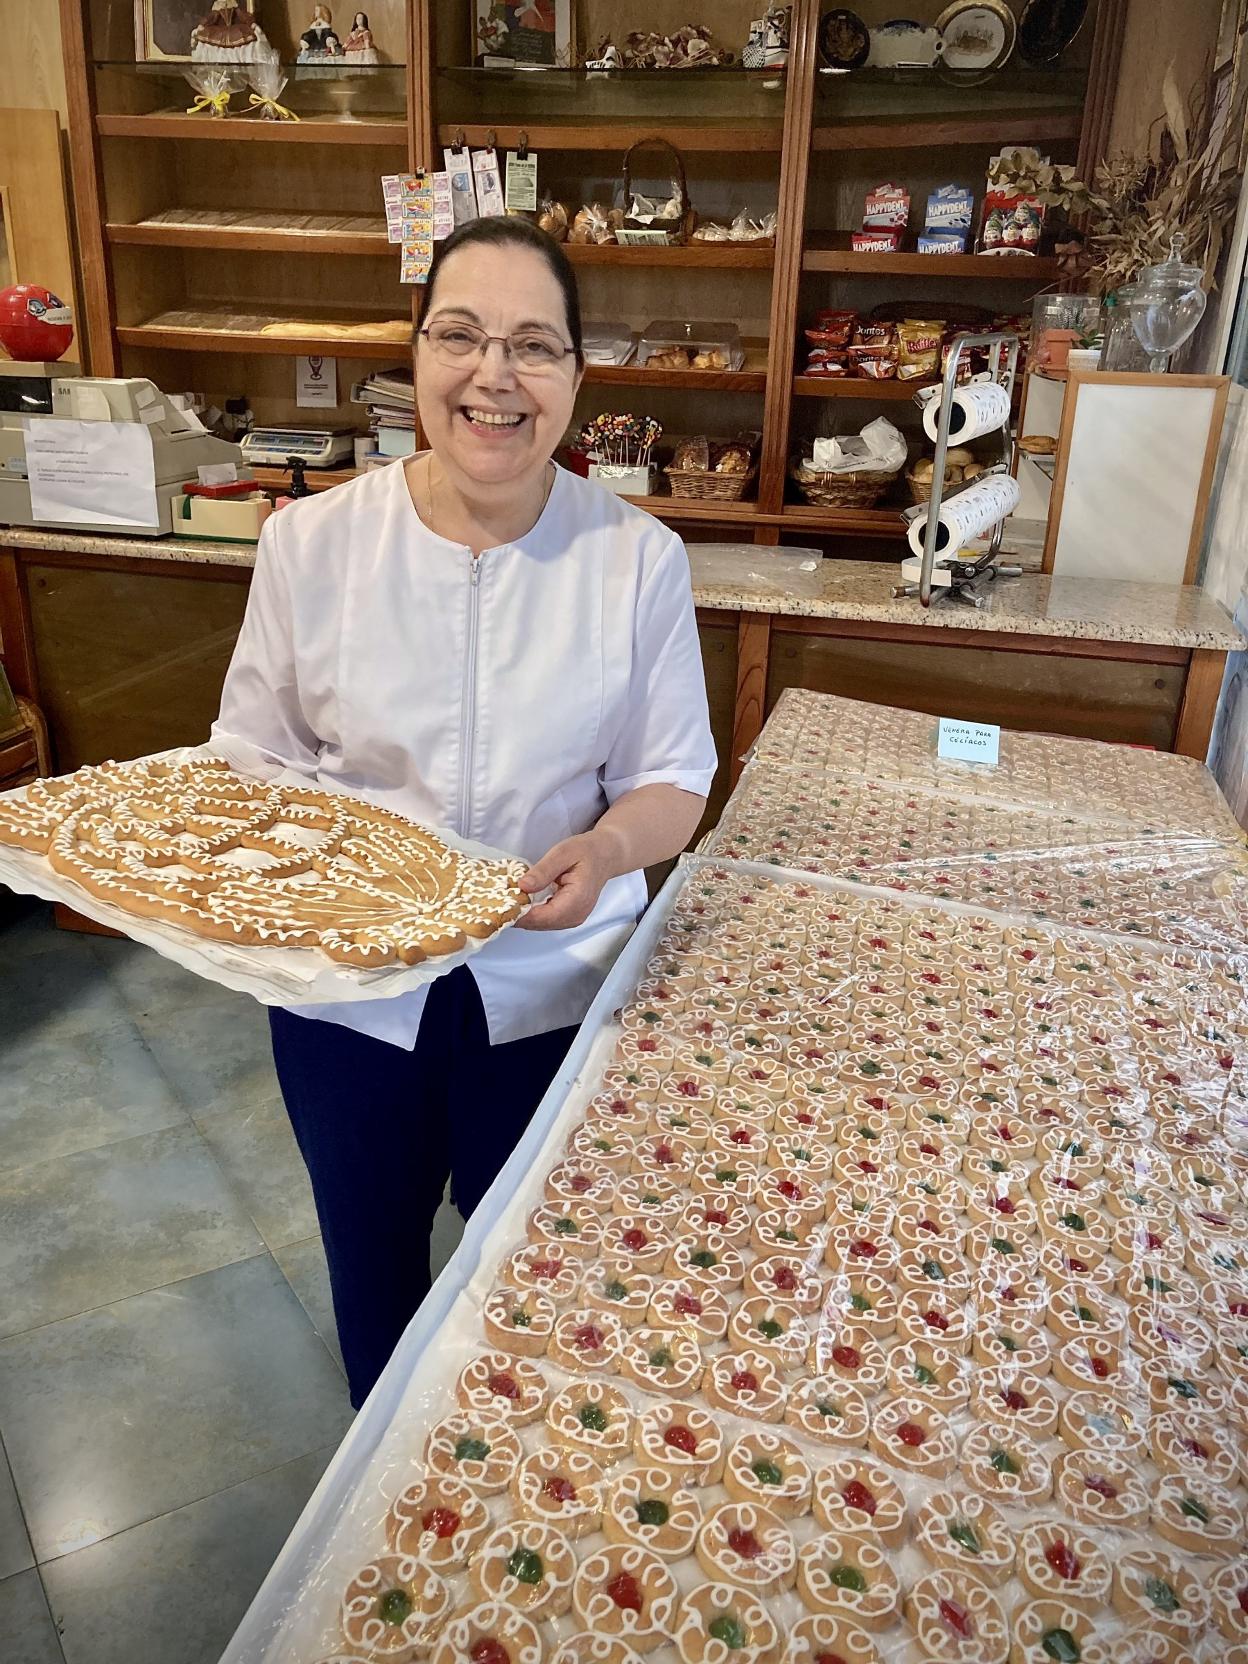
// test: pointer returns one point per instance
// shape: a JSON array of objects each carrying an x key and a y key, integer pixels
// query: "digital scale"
[{"x": 315, "y": 447}]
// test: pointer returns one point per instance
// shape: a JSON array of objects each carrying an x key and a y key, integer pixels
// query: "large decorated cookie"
[
  {"x": 587, "y": 1647},
  {"x": 767, "y": 1468},
  {"x": 526, "y": 1564},
  {"x": 858, "y": 1498},
  {"x": 848, "y": 1577},
  {"x": 1058, "y": 1561},
  {"x": 651, "y": 1508},
  {"x": 747, "y": 1383},
  {"x": 560, "y": 1487},
  {"x": 628, "y": 1594},
  {"x": 520, "y": 1321},
  {"x": 966, "y": 1534},
  {"x": 823, "y": 1636},
  {"x": 1161, "y": 1591},
  {"x": 1049, "y": 1629},
  {"x": 482, "y": 1451},
  {"x": 439, "y": 1522},
  {"x": 683, "y": 1439},
  {"x": 721, "y": 1624},
  {"x": 496, "y": 1384},
  {"x": 394, "y": 1607},
  {"x": 748, "y": 1546},
  {"x": 489, "y": 1633},
  {"x": 956, "y": 1620},
  {"x": 594, "y": 1417},
  {"x": 829, "y": 1410}
]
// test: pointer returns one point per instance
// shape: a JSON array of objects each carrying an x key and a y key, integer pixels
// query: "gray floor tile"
[
  {"x": 257, "y": 1152},
  {"x": 60, "y": 1094},
  {"x": 172, "y": 1591},
  {"x": 303, "y": 1266},
  {"x": 26, "y": 925},
  {"x": 89, "y": 1228},
  {"x": 122, "y": 1414},
  {"x": 152, "y": 985},
  {"x": 55, "y": 991},
  {"x": 216, "y": 1056},
  {"x": 26, "y": 1626},
  {"x": 15, "y": 1550}
]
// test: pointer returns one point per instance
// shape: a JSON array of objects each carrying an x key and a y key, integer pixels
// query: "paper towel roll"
[
  {"x": 977, "y": 409},
  {"x": 969, "y": 513}
]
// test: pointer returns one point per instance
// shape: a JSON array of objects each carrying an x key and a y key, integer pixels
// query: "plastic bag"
[
  {"x": 215, "y": 85},
  {"x": 268, "y": 81}
]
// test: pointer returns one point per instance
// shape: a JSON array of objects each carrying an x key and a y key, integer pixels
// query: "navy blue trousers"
[{"x": 381, "y": 1129}]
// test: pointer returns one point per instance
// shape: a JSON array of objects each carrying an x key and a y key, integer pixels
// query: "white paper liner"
[{"x": 273, "y": 976}]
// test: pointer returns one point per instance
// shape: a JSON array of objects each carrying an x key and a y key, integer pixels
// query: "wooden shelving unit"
[{"x": 188, "y": 225}]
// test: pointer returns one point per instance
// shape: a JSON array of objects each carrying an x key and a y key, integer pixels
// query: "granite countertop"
[{"x": 748, "y": 578}]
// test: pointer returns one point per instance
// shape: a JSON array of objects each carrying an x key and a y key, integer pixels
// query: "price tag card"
[
  {"x": 968, "y": 742},
  {"x": 489, "y": 190},
  {"x": 521, "y": 183},
  {"x": 458, "y": 163}
]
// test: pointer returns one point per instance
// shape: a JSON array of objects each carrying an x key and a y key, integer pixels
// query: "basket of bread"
[
  {"x": 961, "y": 467},
  {"x": 647, "y": 221},
  {"x": 716, "y": 470}
]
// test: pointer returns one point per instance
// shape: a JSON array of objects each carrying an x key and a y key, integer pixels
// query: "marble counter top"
[{"x": 744, "y": 578}]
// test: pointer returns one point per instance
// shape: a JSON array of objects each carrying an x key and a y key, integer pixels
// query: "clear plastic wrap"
[
  {"x": 871, "y": 1284},
  {"x": 214, "y": 85}
]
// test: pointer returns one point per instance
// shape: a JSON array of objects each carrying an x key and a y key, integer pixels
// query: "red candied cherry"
[
  {"x": 868, "y": 1167},
  {"x": 742, "y": 1135},
  {"x": 829, "y": 1658},
  {"x": 1242, "y": 1597},
  {"x": 680, "y": 1438},
  {"x": 744, "y": 1543},
  {"x": 1238, "y": 1308},
  {"x": 936, "y": 1320},
  {"x": 911, "y": 1434},
  {"x": 804, "y": 1120},
  {"x": 1152, "y": 1242},
  {"x": 929, "y": 1083},
  {"x": 1063, "y": 1560},
  {"x": 546, "y": 1270},
  {"x": 1004, "y": 1205},
  {"x": 847, "y": 1357},
  {"x": 663, "y": 1154},
  {"x": 1076, "y": 1266},
  {"x": 1099, "y": 1368},
  {"x": 791, "y": 1191},
  {"x": 559, "y": 1489},
  {"x": 784, "y": 1278},
  {"x": 863, "y": 1249},
  {"x": 1013, "y": 1399},
  {"x": 930, "y": 1226},
  {"x": 1097, "y": 1482},
  {"x": 687, "y": 1088},
  {"x": 1193, "y": 1447},
  {"x": 588, "y": 1338},
  {"x": 634, "y": 1239},
  {"x": 743, "y": 1380},
  {"x": 580, "y": 1183},
  {"x": 857, "y": 1495},
  {"x": 625, "y": 1591},
  {"x": 443, "y": 1522},
  {"x": 687, "y": 1305},
  {"x": 955, "y": 1617},
  {"x": 503, "y": 1386},
  {"x": 929, "y": 1149},
  {"x": 489, "y": 1651},
  {"x": 715, "y": 1216}
]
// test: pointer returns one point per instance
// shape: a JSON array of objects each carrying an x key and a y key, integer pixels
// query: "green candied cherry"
[
  {"x": 730, "y": 1630},
  {"x": 394, "y": 1607},
  {"x": 1074, "y": 1222},
  {"x": 1061, "y": 1645},
  {"x": 1007, "y": 1340},
  {"x": 1194, "y": 1510},
  {"x": 999, "y": 1245},
  {"x": 520, "y": 1319},
  {"x": 860, "y": 1303},
  {"x": 933, "y": 1271},
  {"x": 1161, "y": 1595},
  {"x": 650, "y": 1199},
  {"x": 526, "y": 1566},
  {"x": 727, "y": 1175},
  {"x": 1002, "y": 1461},
  {"x": 566, "y": 1227},
  {"x": 652, "y": 1511},
  {"x": 615, "y": 1290},
  {"x": 828, "y": 1410},
  {"x": 767, "y": 1473},
  {"x": 964, "y": 1534},
  {"x": 847, "y": 1577},
  {"x": 593, "y": 1418},
  {"x": 703, "y": 1259},
  {"x": 786, "y": 1236},
  {"x": 924, "y": 1376},
  {"x": 661, "y": 1358},
  {"x": 471, "y": 1450},
  {"x": 769, "y": 1329},
  {"x": 1182, "y": 1387}
]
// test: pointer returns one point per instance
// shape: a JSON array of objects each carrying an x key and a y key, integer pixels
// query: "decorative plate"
[
  {"x": 976, "y": 34},
  {"x": 904, "y": 44},
  {"x": 844, "y": 39}
]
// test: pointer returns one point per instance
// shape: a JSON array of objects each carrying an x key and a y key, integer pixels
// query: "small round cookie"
[
  {"x": 491, "y": 1633},
  {"x": 438, "y": 1522},
  {"x": 721, "y": 1212},
  {"x": 628, "y": 1594},
  {"x": 576, "y": 1227},
  {"x": 526, "y": 1564},
  {"x": 636, "y": 1240},
  {"x": 592, "y": 1416},
  {"x": 696, "y": 1309},
  {"x": 1050, "y": 1629},
  {"x": 1159, "y": 1590},
  {"x": 1095, "y": 1363},
  {"x": 1057, "y": 1561},
  {"x": 862, "y": 1303},
  {"x": 853, "y": 1497},
  {"x": 579, "y": 1179},
  {"x": 1012, "y": 1340},
  {"x": 652, "y": 1508},
  {"x": 482, "y": 1451},
  {"x": 1201, "y": 1518},
  {"x": 617, "y": 1287},
  {"x": 932, "y": 1315},
  {"x": 956, "y": 1620},
  {"x": 496, "y": 1384},
  {"x": 748, "y": 1546},
  {"x": 931, "y": 1373},
  {"x": 1098, "y": 1423},
  {"x": 913, "y": 1434},
  {"x": 1061, "y": 1265},
  {"x": 964, "y": 1533},
  {"x": 662, "y": 1360},
  {"x": 747, "y": 1383},
  {"x": 563, "y": 1488},
  {"x": 584, "y": 1339},
  {"x": 1079, "y": 1311},
  {"x": 772, "y": 1327},
  {"x": 1004, "y": 1464},
  {"x": 935, "y": 1265},
  {"x": 587, "y": 1648},
  {"x": 792, "y": 1187},
  {"x": 1228, "y": 1595},
  {"x": 549, "y": 1271},
  {"x": 717, "y": 1175},
  {"x": 847, "y": 1356},
  {"x": 720, "y": 1624},
  {"x": 820, "y": 1636},
  {"x": 855, "y": 1250},
  {"x": 706, "y": 1257},
  {"x": 663, "y": 1153},
  {"x": 829, "y": 1410},
  {"x": 519, "y": 1321},
  {"x": 1101, "y": 1490},
  {"x": 768, "y": 1469},
  {"x": 788, "y": 1277},
  {"x": 848, "y": 1577},
  {"x": 781, "y": 1230},
  {"x": 1014, "y": 1398},
  {"x": 1195, "y": 1446},
  {"x": 683, "y": 1439},
  {"x": 393, "y": 1608}
]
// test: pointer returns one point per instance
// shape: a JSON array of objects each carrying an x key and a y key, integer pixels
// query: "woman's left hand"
[{"x": 578, "y": 868}]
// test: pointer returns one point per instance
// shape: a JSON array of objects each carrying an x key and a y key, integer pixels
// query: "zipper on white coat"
[{"x": 468, "y": 717}]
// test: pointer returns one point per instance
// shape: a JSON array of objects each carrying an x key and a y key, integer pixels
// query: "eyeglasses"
[{"x": 530, "y": 351}]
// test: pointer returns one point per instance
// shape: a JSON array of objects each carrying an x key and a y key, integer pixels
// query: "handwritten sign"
[{"x": 968, "y": 742}]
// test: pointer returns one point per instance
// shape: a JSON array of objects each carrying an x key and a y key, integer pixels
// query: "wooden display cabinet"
[{"x": 197, "y": 233}]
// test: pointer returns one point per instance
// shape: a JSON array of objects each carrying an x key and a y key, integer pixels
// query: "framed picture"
[
  {"x": 523, "y": 32},
  {"x": 162, "y": 29},
  {"x": 202, "y": 31}
]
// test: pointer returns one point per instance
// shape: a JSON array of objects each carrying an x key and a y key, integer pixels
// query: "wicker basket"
[
  {"x": 862, "y": 488},
  {"x": 921, "y": 490},
  {"x": 671, "y": 231},
  {"x": 709, "y": 484}
]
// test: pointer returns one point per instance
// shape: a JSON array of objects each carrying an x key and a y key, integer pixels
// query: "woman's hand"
[{"x": 578, "y": 868}]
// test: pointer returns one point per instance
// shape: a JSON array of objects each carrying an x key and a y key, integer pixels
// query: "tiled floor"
[{"x": 170, "y": 1388}]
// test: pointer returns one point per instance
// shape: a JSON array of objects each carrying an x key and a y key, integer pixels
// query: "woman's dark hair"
[{"x": 504, "y": 230}]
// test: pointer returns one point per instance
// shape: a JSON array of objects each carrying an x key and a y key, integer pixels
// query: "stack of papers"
[{"x": 390, "y": 399}]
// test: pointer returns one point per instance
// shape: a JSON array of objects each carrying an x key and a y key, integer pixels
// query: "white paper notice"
[
  {"x": 316, "y": 382},
  {"x": 91, "y": 473}
]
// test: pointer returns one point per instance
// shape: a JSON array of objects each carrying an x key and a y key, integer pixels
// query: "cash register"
[{"x": 34, "y": 392}]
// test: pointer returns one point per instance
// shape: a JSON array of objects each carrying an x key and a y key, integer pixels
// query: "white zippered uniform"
[{"x": 512, "y": 699}]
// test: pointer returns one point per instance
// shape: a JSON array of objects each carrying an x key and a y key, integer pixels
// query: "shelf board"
[
  {"x": 615, "y": 135},
  {"x": 995, "y": 127},
  {"x": 692, "y": 510},
  {"x": 708, "y": 256},
  {"x": 281, "y": 233},
  {"x": 208, "y": 329},
  {"x": 320, "y": 129},
  {"x": 829, "y": 251},
  {"x": 861, "y": 522},
  {"x": 854, "y": 387},
  {"x": 751, "y": 378}
]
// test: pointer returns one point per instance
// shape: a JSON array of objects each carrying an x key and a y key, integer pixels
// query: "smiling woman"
[{"x": 484, "y": 642}]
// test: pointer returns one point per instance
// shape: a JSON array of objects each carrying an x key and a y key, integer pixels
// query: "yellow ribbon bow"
[
  {"x": 270, "y": 107},
  {"x": 217, "y": 102}
]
